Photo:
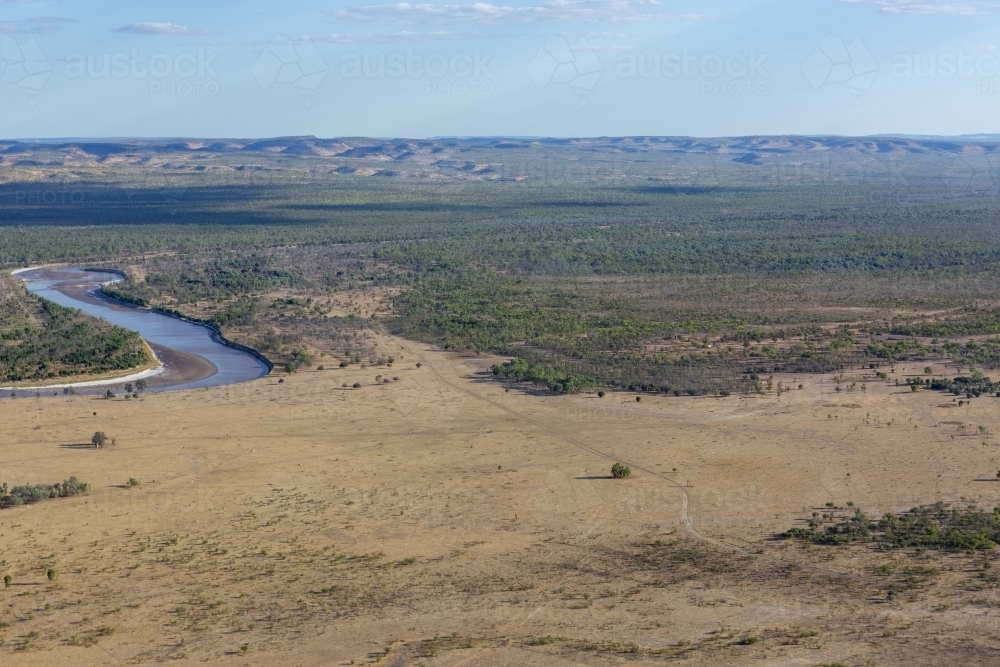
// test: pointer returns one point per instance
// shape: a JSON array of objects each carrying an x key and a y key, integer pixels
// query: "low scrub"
[
  {"x": 20, "y": 495},
  {"x": 936, "y": 526}
]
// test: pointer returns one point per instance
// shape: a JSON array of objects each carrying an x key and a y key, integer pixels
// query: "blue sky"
[{"x": 82, "y": 68}]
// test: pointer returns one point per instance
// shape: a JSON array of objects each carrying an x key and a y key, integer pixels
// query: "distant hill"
[{"x": 964, "y": 162}]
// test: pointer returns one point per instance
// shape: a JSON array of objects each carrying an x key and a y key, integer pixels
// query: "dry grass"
[{"x": 438, "y": 520}]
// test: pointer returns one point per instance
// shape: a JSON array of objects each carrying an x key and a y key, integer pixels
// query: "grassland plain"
[{"x": 439, "y": 520}]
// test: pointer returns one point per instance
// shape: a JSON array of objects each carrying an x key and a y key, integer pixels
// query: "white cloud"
[
  {"x": 924, "y": 7},
  {"x": 554, "y": 11},
  {"x": 37, "y": 24},
  {"x": 158, "y": 28},
  {"x": 402, "y": 36}
]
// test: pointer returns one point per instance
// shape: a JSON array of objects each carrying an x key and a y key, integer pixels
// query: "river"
[{"x": 190, "y": 357}]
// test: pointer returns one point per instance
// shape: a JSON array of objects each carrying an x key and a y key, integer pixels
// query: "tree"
[
  {"x": 600, "y": 394},
  {"x": 7, "y": 580},
  {"x": 99, "y": 439},
  {"x": 140, "y": 385},
  {"x": 51, "y": 574},
  {"x": 620, "y": 471}
]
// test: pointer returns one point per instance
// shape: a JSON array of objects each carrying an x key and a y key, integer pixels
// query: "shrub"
[
  {"x": 20, "y": 495},
  {"x": 620, "y": 471},
  {"x": 600, "y": 394},
  {"x": 132, "y": 481},
  {"x": 357, "y": 385},
  {"x": 343, "y": 364},
  {"x": 109, "y": 394},
  {"x": 556, "y": 379},
  {"x": 7, "y": 580},
  {"x": 99, "y": 439},
  {"x": 935, "y": 526},
  {"x": 140, "y": 385},
  {"x": 51, "y": 574}
]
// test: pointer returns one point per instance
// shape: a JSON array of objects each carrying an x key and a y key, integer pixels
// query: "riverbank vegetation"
[{"x": 40, "y": 340}]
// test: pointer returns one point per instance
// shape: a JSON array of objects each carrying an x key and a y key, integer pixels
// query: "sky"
[{"x": 559, "y": 68}]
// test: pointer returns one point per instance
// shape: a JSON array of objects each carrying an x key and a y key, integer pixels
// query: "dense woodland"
[
  {"x": 40, "y": 340},
  {"x": 661, "y": 264}
]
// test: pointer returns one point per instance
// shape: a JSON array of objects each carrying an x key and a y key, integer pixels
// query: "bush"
[
  {"x": 600, "y": 394},
  {"x": 20, "y": 495},
  {"x": 51, "y": 574},
  {"x": 541, "y": 375},
  {"x": 357, "y": 385},
  {"x": 935, "y": 526},
  {"x": 99, "y": 439},
  {"x": 620, "y": 471},
  {"x": 7, "y": 580},
  {"x": 132, "y": 481},
  {"x": 343, "y": 364}
]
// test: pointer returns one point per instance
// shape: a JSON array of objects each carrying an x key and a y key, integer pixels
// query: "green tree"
[{"x": 620, "y": 471}]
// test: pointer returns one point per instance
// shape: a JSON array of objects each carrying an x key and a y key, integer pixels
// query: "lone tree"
[
  {"x": 99, "y": 439},
  {"x": 140, "y": 385},
  {"x": 620, "y": 471}
]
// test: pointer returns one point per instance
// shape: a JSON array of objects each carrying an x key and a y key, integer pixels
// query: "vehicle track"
[{"x": 685, "y": 516}]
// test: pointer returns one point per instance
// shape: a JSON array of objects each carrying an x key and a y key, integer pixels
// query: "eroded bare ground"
[{"x": 439, "y": 520}]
